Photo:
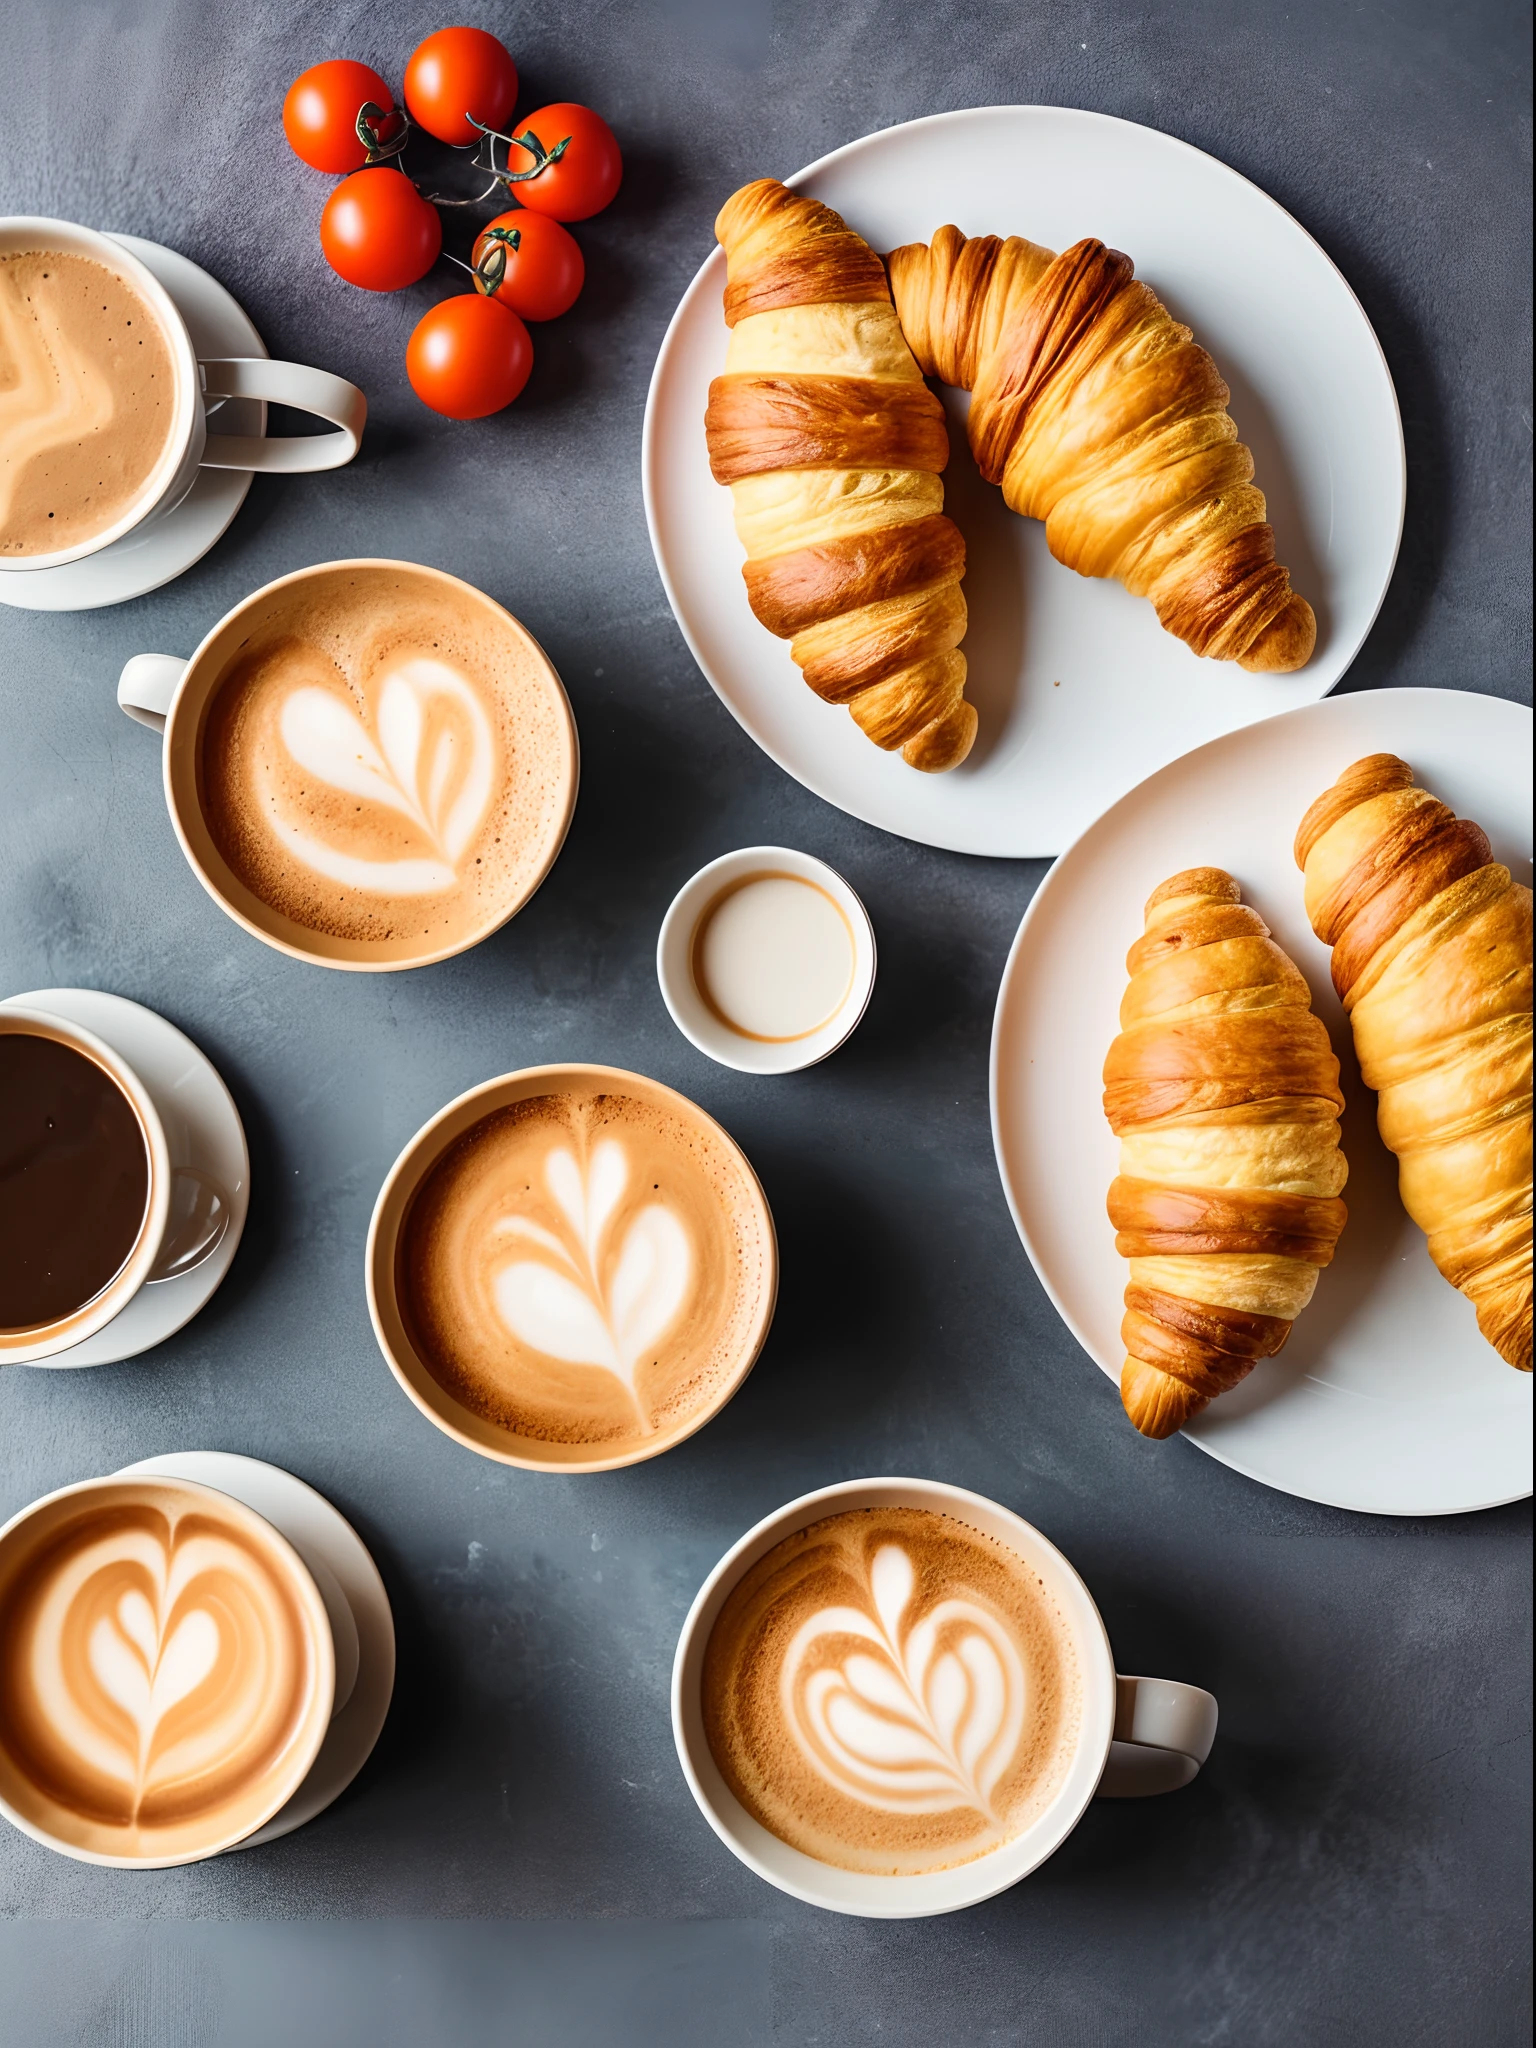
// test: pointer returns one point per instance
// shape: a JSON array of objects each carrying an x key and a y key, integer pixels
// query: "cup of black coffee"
[{"x": 86, "y": 1187}]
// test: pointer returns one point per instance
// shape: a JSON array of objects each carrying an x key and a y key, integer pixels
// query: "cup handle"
[
  {"x": 1163, "y": 1734},
  {"x": 295, "y": 384},
  {"x": 146, "y": 687},
  {"x": 195, "y": 1228}
]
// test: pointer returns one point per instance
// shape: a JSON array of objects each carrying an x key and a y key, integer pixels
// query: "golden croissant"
[
  {"x": 1432, "y": 959},
  {"x": 832, "y": 446},
  {"x": 1098, "y": 412},
  {"x": 1223, "y": 1090}
]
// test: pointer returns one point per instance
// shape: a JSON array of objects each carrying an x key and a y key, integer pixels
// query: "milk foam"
[
  {"x": 572, "y": 1301},
  {"x": 928, "y": 1722},
  {"x": 584, "y": 1267},
  {"x": 87, "y": 399},
  {"x": 890, "y": 1691},
  {"x": 156, "y": 1667},
  {"x": 381, "y": 761}
]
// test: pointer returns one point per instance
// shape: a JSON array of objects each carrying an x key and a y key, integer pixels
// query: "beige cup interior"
[
  {"x": 43, "y": 1340},
  {"x": 384, "y": 1251},
  {"x": 183, "y": 768},
  {"x": 93, "y": 1838}
]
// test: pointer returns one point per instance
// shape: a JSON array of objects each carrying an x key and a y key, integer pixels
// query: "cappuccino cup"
[
  {"x": 894, "y": 1698},
  {"x": 167, "y": 1671},
  {"x": 91, "y": 1207},
  {"x": 102, "y": 409},
  {"x": 571, "y": 1268},
  {"x": 369, "y": 765}
]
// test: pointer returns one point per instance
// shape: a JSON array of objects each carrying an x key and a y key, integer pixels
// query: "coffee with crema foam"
[
  {"x": 161, "y": 1683},
  {"x": 384, "y": 759},
  {"x": 891, "y": 1691},
  {"x": 87, "y": 399},
  {"x": 586, "y": 1267}
]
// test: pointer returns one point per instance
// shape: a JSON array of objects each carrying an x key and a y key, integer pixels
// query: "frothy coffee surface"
[
  {"x": 74, "y": 1180},
  {"x": 383, "y": 762},
  {"x": 87, "y": 399},
  {"x": 584, "y": 1268},
  {"x": 891, "y": 1691},
  {"x": 156, "y": 1671}
]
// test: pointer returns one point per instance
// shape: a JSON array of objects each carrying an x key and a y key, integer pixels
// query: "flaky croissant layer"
[
  {"x": 1431, "y": 947},
  {"x": 832, "y": 447},
  {"x": 1097, "y": 411},
  {"x": 1223, "y": 1090}
]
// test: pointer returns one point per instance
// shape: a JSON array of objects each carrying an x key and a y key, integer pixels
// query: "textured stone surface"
[{"x": 1352, "y": 1866}]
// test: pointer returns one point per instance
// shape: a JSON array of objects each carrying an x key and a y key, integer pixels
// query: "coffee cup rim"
[
  {"x": 179, "y": 767},
  {"x": 392, "y": 1207},
  {"x": 923, "y": 1894},
  {"x": 18, "y": 232},
  {"x": 24, "y": 1346},
  {"x": 679, "y": 988},
  {"x": 318, "y": 1709}
]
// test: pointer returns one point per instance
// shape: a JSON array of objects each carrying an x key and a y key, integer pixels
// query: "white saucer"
[
  {"x": 355, "y": 1600},
  {"x": 204, "y": 1133},
  {"x": 1386, "y": 1399},
  {"x": 142, "y": 561}
]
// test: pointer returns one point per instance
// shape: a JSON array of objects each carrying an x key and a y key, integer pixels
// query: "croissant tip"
[{"x": 1158, "y": 1404}]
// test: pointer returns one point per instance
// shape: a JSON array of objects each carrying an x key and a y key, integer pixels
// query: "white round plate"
[
  {"x": 1386, "y": 1398},
  {"x": 204, "y": 1133},
  {"x": 1081, "y": 692},
  {"x": 142, "y": 561},
  {"x": 355, "y": 1601}
]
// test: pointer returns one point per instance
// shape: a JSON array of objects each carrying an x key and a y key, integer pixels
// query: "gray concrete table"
[{"x": 521, "y": 1861}]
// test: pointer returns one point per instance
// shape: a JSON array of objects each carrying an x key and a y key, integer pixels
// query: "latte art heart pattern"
[
  {"x": 581, "y": 1299},
  {"x": 430, "y": 762},
  {"x": 925, "y": 1718},
  {"x": 156, "y": 1668}
]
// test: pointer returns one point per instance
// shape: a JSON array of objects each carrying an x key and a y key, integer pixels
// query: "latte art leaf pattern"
[
  {"x": 431, "y": 761},
  {"x": 576, "y": 1302},
  {"x": 163, "y": 1666},
  {"x": 921, "y": 1721}
]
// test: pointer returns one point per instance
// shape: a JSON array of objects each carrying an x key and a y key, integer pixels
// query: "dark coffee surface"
[{"x": 74, "y": 1180}]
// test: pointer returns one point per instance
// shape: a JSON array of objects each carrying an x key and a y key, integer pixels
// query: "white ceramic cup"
[
  {"x": 680, "y": 992},
  {"x": 184, "y": 1217},
  {"x": 1138, "y": 1735},
  {"x": 190, "y": 445}
]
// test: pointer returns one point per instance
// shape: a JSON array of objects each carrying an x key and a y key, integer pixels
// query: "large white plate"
[
  {"x": 1386, "y": 1398},
  {"x": 1081, "y": 692}
]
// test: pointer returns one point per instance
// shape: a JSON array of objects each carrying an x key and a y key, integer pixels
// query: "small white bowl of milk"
[{"x": 766, "y": 960}]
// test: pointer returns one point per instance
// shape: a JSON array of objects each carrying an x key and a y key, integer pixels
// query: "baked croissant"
[
  {"x": 1224, "y": 1093},
  {"x": 1432, "y": 960},
  {"x": 1097, "y": 412},
  {"x": 832, "y": 446}
]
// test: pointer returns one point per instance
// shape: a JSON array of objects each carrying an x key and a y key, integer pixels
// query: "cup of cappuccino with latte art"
[
  {"x": 571, "y": 1268},
  {"x": 102, "y": 395},
  {"x": 369, "y": 765},
  {"x": 894, "y": 1698},
  {"x": 167, "y": 1671}
]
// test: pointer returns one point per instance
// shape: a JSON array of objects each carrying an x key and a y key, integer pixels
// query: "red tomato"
[
  {"x": 544, "y": 271},
  {"x": 321, "y": 109},
  {"x": 456, "y": 73},
  {"x": 468, "y": 357},
  {"x": 566, "y": 162},
  {"x": 378, "y": 232}
]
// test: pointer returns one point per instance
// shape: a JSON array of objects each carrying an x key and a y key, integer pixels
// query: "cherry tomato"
[
  {"x": 321, "y": 109},
  {"x": 378, "y": 232},
  {"x": 468, "y": 357},
  {"x": 565, "y": 162},
  {"x": 543, "y": 272},
  {"x": 456, "y": 73}
]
